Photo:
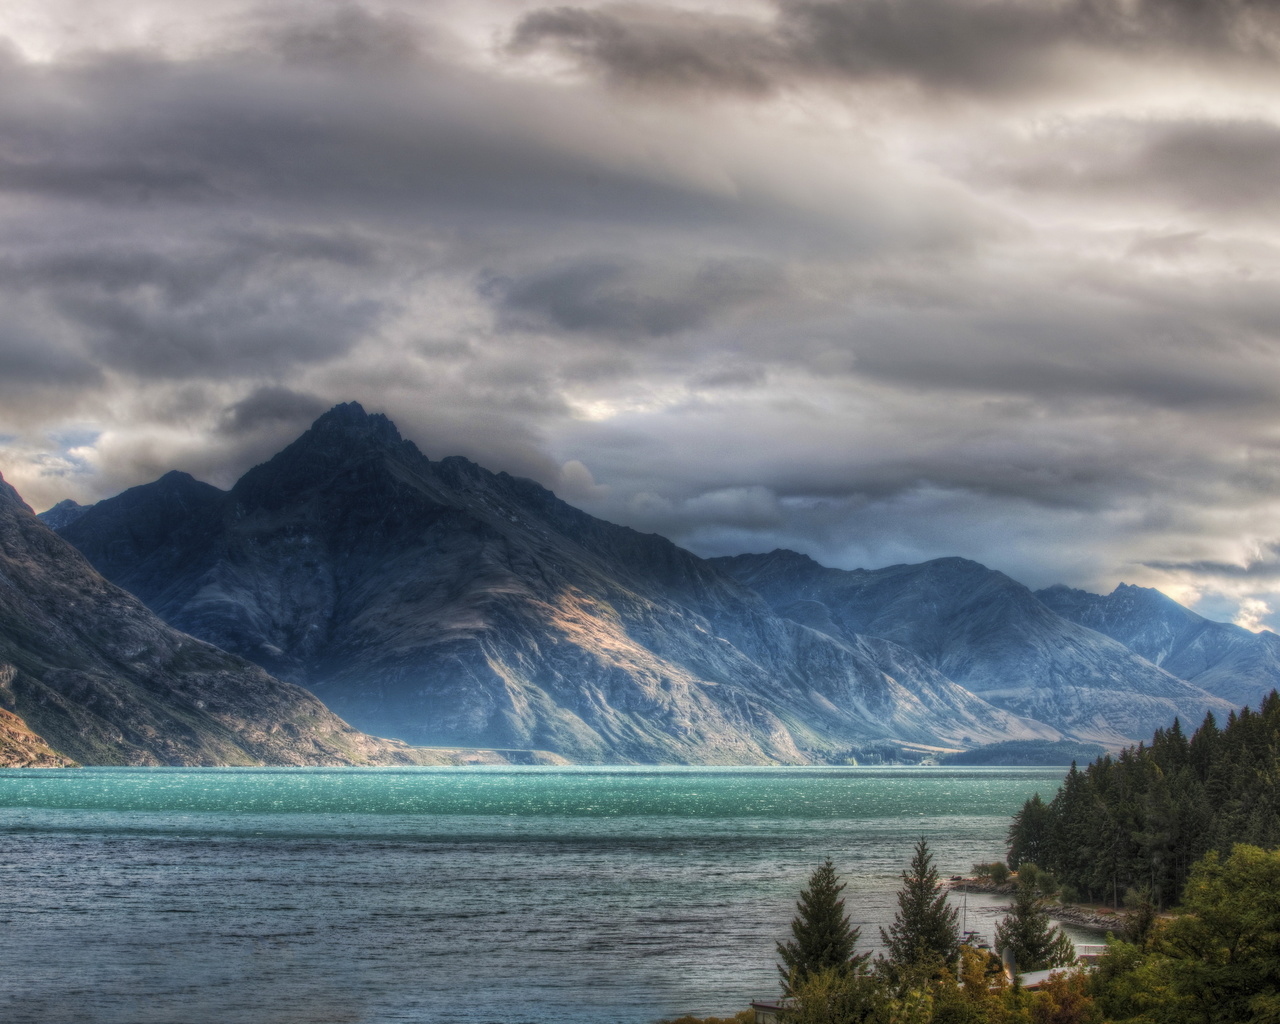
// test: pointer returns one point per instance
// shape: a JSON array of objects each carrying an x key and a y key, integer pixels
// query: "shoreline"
[{"x": 1093, "y": 916}]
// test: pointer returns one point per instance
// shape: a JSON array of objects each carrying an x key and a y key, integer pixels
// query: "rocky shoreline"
[{"x": 1098, "y": 918}]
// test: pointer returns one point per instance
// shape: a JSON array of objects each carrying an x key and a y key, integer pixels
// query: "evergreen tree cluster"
[
  {"x": 1139, "y": 821},
  {"x": 1215, "y": 962}
]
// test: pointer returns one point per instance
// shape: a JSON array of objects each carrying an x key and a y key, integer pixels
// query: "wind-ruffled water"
[{"x": 467, "y": 895}]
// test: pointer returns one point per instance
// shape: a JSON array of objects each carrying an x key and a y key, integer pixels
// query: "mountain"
[
  {"x": 63, "y": 514},
  {"x": 88, "y": 674},
  {"x": 443, "y": 603},
  {"x": 1224, "y": 659},
  {"x": 987, "y": 632}
]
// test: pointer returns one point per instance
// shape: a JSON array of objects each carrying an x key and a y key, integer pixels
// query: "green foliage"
[
  {"x": 980, "y": 997},
  {"x": 1218, "y": 962},
  {"x": 976, "y": 992},
  {"x": 1141, "y": 920},
  {"x": 1036, "y": 943},
  {"x": 1042, "y": 881},
  {"x": 924, "y": 930},
  {"x": 834, "y": 996},
  {"x": 745, "y": 1017},
  {"x": 1145, "y": 817},
  {"x": 997, "y": 871},
  {"x": 1065, "y": 999},
  {"x": 821, "y": 937},
  {"x": 1030, "y": 833},
  {"x": 1227, "y": 941}
]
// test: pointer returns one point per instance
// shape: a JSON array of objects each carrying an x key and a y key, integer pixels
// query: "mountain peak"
[
  {"x": 63, "y": 514},
  {"x": 348, "y": 419},
  {"x": 344, "y": 437}
]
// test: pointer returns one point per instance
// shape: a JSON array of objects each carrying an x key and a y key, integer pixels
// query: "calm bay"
[{"x": 472, "y": 895}]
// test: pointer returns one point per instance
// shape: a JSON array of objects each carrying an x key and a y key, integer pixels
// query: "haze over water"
[{"x": 505, "y": 895}]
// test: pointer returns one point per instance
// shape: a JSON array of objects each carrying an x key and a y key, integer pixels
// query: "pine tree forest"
[{"x": 1136, "y": 823}]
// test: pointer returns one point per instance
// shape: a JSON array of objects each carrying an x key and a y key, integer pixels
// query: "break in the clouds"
[{"x": 879, "y": 280}]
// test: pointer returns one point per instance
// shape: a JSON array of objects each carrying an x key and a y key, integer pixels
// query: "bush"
[{"x": 997, "y": 871}]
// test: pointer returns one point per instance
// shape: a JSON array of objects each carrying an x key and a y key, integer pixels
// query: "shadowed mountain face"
[
  {"x": 1223, "y": 658},
  {"x": 88, "y": 674},
  {"x": 988, "y": 633},
  {"x": 63, "y": 514},
  {"x": 442, "y": 603}
]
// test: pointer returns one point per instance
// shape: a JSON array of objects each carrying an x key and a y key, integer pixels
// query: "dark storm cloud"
[
  {"x": 1204, "y": 166},
  {"x": 651, "y": 45},
  {"x": 183, "y": 274},
  {"x": 1051, "y": 469},
  {"x": 114, "y": 183},
  {"x": 425, "y": 144},
  {"x": 349, "y": 37},
  {"x": 29, "y": 361},
  {"x": 271, "y": 406},
  {"x": 622, "y": 298},
  {"x": 998, "y": 47},
  {"x": 222, "y": 307},
  {"x": 1264, "y": 564},
  {"x": 1157, "y": 361}
]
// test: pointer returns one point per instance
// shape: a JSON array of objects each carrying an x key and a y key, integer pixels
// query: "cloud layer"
[{"x": 880, "y": 280}]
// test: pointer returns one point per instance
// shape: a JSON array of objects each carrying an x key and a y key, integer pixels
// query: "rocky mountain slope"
[
  {"x": 442, "y": 603},
  {"x": 22, "y": 748},
  {"x": 63, "y": 514},
  {"x": 990, "y": 634},
  {"x": 88, "y": 674},
  {"x": 1223, "y": 658}
]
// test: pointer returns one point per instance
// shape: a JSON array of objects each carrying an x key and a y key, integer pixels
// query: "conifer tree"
[
  {"x": 1030, "y": 834},
  {"x": 924, "y": 928},
  {"x": 821, "y": 936},
  {"x": 1036, "y": 944}
]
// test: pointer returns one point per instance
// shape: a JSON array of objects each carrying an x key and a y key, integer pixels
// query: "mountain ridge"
[
  {"x": 990, "y": 634},
  {"x": 1221, "y": 657},
  {"x": 449, "y": 603}
]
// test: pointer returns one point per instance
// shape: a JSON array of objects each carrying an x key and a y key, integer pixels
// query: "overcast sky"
[{"x": 877, "y": 280}]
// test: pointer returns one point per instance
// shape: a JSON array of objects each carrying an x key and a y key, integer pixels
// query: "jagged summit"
[
  {"x": 349, "y": 419},
  {"x": 345, "y": 442}
]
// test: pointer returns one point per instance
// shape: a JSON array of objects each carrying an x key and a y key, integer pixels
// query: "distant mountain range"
[
  {"x": 991, "y": 635},
  {"x": 440, "y": 603},
  {"x": 1220, "y": 657}
]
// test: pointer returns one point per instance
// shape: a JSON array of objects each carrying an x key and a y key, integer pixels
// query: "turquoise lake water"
[{"x": 467, "y": 895}]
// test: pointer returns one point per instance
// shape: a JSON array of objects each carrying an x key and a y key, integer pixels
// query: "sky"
[{"x": 876, "y": 280}]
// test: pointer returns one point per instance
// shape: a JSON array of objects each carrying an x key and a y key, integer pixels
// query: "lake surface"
[{"x": 467, "y": 895}]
